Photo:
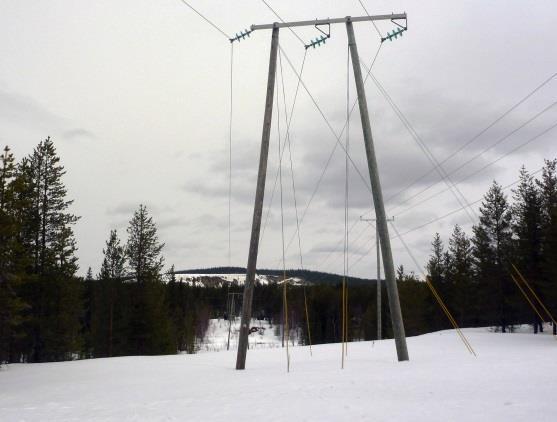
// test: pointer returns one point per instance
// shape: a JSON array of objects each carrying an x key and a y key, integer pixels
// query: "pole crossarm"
[{"x": 392, "y": 16}]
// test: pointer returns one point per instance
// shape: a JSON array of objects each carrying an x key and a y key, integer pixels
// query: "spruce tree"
[
  {"x": 175, "y": 303},
  {"x": 150, "y": 331},
  {"x": 459, "y": 273},
  {"x": 109, "y": 318},
  {"x": 527, "y": 228},
  {"x": 415, "y": 299},
  {"x": 548, "y": 193},
  {"x": 436, "y": 265},
  {"x": 492, "y": 249},
  {"x": 143, "y": 249},
  {"x": 437, "y": 273}
]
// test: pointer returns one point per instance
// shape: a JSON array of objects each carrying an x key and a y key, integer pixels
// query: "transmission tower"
[{"x": 382, "y": 227}]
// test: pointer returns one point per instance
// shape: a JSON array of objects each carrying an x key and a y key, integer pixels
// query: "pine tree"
[
  {"x": 53, "y": 243},
  {"x": 150, "y": 331},
  {"x": 11, "y": 306},
  {"x": 492, "y": 249},
  {"x": 47, "y": 236}
]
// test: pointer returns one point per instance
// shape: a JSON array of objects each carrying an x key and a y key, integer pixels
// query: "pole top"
[{"x": 392, "y": 17}]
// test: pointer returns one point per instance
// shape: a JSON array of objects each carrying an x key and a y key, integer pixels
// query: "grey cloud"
[
  {"x": 128, "y": 208},
  {"x": 25, "y": 111},
  {"x": 78, "y": 134},
  {"x": 166, "y": 223}
]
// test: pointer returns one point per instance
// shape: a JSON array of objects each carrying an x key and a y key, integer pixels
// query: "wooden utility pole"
[
  {"x": 396, "y": 315},
  {"x": 378, "y": 279},
  {"x": 258, "y": 207},
  {"x": 382, "y": 228}
]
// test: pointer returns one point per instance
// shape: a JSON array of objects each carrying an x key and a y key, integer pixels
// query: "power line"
[
  {"x": 521, "y": 101},
  {"x": 421, "y": 226},
  {"x": 483, "y": 168},
  {"x": 206, "y": 20},
  {"x": 453, "y": 171},
  {"x": 333, "y": 150},
  {"x": 284, "y": 142},
  {"x": 230, "y": 154},
  {"x": 480, "y": 133},
  {"x": 346, "y": 197},
  {"x": 298, "y": 222},
  {"x": 285, "y": 300},
  {"x": 425, "y": 149},
  {"x": 282, "y": 20},
  {"x": 435, "y": 294},
  {"x": 328, "y": 123},
  {"x": 291, "y": 166},
  {"x": 318, "y": 184},
  {"x": 373, "y": 22}
]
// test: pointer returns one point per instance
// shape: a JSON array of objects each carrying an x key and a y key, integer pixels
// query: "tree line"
[
  {"x": 474, "y": 273},
  {"x": 134, "y": 307}
]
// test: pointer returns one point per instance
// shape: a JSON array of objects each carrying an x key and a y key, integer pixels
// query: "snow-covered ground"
[{"x": 514, "y": 378}]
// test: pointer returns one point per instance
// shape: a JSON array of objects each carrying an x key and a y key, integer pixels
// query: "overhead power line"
[
  {"x": 328, "y": 123},
  {"x": 435, "y": 294},
  {"x": 477, "y": 135},
  {"x": 423, "y": 147},
  {"x": 372, "y": 22},
  {"x": 478, "y": 155},
  {"x": 282, "y": 20},
  {"x": 523, "y": 144},
  {"x": 287, "y": 137},
  {"x": 331, "y": 154},
  {"x": 439, "y": 218},
  {"x": 206, "y": 19},
  {"x": 471, "y": 140}
]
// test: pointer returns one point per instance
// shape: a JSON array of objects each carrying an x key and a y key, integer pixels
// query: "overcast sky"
[{"x": 136, "y": 96}]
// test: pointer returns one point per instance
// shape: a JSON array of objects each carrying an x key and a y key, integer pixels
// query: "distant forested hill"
[{"x": 313, "y": 277}]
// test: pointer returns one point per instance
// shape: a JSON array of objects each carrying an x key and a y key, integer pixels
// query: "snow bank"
[{"x": 514, "y": 378}]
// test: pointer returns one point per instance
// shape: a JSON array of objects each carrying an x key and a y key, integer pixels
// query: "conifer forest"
[{"x": 136, "y": 306}]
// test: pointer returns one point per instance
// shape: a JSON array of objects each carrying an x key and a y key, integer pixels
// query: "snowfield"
[
  {"x": 265, "y": 336},
  {"x": 514, "y": 378}
]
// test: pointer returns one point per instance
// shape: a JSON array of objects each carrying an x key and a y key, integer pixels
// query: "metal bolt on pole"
[{"x": 382, "y": 228}]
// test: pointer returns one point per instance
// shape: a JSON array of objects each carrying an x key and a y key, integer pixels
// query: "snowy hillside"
[
  {"x": 219, "y": 280},
  {"x": 512, "y": 379}
]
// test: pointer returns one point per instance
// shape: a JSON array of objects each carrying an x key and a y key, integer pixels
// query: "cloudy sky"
[{"x": 136, "y": 96}]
